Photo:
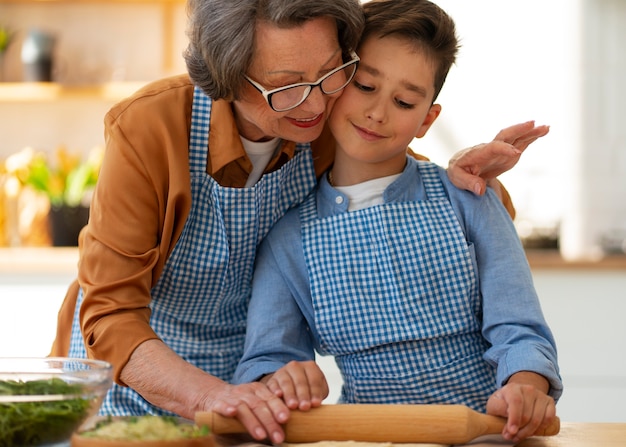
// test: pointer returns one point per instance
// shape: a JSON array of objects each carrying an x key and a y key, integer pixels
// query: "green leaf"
[
  {"x": 77, "y": 182},
  {"x": 40, "y": 422}
]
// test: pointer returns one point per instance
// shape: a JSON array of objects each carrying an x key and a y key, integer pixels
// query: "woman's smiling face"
[{"x": 286, "y": 56}]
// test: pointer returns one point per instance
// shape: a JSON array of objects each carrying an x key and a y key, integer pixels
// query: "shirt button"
[{"x": 338, "y": 200}]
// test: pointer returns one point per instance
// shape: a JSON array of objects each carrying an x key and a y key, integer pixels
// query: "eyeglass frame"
[{"x": 267, "y": 94}]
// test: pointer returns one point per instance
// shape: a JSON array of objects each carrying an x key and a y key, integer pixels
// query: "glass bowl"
[{"x": 44, "y": 400}]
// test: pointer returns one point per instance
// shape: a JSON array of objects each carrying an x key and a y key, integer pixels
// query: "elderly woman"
[{"x": 197, "y": 170}]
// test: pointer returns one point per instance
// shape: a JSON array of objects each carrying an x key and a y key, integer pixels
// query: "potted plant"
[{"x": 67, "y": 180}]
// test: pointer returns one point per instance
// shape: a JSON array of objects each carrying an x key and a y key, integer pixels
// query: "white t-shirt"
[
  {"x": 260, "y": 154},
  {"x": 366, "y": 194}
]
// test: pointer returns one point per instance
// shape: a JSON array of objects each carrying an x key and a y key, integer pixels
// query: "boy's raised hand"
[
  {"x": 472, "y": 168},
  {"x": 301, "y": 385}
]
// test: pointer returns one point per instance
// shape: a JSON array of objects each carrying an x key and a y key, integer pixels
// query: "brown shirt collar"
[{"x": 228, "y": 163}]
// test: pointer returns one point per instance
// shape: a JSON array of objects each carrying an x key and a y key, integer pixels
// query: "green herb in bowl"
[
  {"x": 28, "y": 422},
  {"x": 44, "y": 400}
]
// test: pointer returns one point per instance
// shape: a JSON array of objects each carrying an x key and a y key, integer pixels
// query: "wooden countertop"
[
  {"x": 572, "y": 434},
  {"x": 551, "y": 259},
  {"x": 65, "y": 260},
  {"x": 589, "y": 434}
]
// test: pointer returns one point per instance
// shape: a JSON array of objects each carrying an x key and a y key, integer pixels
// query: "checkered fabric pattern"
[
  {"x": 396, "y": 300},
  {"x": 200, "y": 302}
]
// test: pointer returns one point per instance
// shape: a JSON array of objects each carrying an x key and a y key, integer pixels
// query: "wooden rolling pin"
[{"x": 441, "y": 424}]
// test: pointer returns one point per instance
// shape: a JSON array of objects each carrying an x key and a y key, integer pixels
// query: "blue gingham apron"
[
  {"x": 396, "y": 300},
  {"x": 199, "y": 303}
]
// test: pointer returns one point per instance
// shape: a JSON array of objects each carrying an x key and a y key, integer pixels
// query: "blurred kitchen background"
[{"x": 558, "y": 62}]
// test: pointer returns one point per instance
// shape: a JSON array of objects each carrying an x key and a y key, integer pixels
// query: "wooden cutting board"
[{"x": 441, "y": 424}]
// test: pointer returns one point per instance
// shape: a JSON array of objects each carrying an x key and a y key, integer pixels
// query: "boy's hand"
[
  {"x": 472, "y": 168},
  {"x": 525, "y": 404},
  {"x": 302, "y": 385}
]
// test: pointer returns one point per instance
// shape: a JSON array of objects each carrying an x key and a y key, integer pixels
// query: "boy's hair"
[{"x": 422, "y": 23}]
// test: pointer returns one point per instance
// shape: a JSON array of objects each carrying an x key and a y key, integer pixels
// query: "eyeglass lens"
[{"x": 293, "y": 96}]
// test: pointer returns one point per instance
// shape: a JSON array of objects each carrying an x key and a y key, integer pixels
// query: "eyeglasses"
[{"x": 291, "y": 96}]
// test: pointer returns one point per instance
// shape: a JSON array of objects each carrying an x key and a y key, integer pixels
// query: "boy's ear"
[{"x": 432, "y": 115}]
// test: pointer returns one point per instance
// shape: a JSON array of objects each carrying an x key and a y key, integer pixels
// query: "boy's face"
[{"x": 387, "y": 104}]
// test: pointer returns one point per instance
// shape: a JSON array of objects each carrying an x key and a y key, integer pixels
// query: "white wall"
[
  {"x": 597, "y": 208},
  {"x": 515, "y": 64},
  {"x": 29, "y": 304},
  {"x": 561, "y": 63}
]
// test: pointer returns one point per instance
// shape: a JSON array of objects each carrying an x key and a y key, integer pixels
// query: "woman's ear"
[{"x": 430, "y": 118}]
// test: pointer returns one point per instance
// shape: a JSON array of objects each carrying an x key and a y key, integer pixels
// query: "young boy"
[{"x": 421, "y": 291}]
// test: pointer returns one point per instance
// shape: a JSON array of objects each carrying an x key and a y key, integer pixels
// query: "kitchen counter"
[
  {"x": 551, "y": 259},
  {"x": 65, "y": 260},
  {"x": 572, "y": 434},
  {"x": 34, "y": 260},
  {"x": 582, "y": 435}
]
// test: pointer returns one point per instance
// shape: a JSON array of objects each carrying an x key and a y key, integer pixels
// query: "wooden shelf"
[
  {"x": 50, "y": 91},
  {"x": 167, "y": 8}
]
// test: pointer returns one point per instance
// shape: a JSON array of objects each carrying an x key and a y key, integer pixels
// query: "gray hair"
[{"x": 221, "y": 35}]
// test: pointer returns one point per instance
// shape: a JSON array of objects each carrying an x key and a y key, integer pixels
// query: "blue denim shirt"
[{"x": 281, "y": 325}]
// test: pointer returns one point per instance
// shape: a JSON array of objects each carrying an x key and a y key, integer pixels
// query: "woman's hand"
[
  {"x": 167, "y": 381},
  {"x": 301, "y": 385},
  {"x": 472, "y": 168},
  {"x": 259, "y": 410},
  {"x": 525, "y": 404}
]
